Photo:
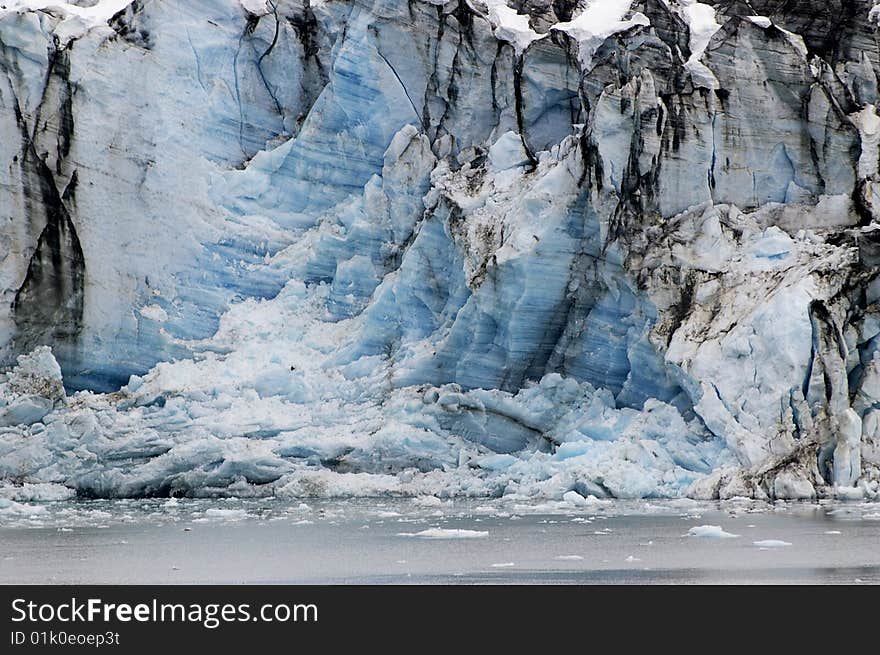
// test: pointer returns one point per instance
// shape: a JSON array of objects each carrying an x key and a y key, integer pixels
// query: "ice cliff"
[{"x": 538, "y": 248}]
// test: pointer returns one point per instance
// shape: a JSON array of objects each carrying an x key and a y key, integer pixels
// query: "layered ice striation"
[{"x": 534, "y": 248}]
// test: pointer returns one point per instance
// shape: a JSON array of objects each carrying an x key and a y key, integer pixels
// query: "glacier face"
[{"x": 619, "y": 248}]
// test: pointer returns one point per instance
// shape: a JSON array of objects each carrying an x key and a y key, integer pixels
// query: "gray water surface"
[{"x": 378, "y": 541}]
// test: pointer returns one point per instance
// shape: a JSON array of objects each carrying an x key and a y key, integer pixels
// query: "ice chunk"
[
  {"x": 11, "y": 507},
  {"x": 36, "y": 374},
  {"x": 789, "y": 485},
  {"x": 495, "y": 462},
  {"x": 771, "y": 543},
  {"x": 25, "y": 410},
  {"x": 445, "y": 533},
  {"x": 39, "y": 492},
  {"x": 710, "y": 532},
  {"x": 760, "y": 21},
  {"x": 508, "y": 152},
  {"x": 577, "y": 500},
  {"x": 226, "y": 514}
]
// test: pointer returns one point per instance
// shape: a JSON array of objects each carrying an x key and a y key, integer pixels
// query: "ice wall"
[{"x": 622, "y": 248}]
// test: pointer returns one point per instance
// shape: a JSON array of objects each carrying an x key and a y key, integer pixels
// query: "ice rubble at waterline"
[{"x": 604, "y": 249}]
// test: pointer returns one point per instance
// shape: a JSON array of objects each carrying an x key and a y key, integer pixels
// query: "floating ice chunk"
[
  {"x": 445, "y": 533},
  {"x": 503, "y": 565},
  {"x": 226, "y": 514},
  {"x": 576, "y": 499},
  {"x": 427, "y": 501},
  {"x": 568, "y": 558},
  {"x": 11, "y": 507},
  {"x": 832, "y": 531},
  {"x": 771, "y": 543},
  {"x": 632, "y": 558},
  {"x": 710, "y": 532},
  {"x": 40, "y": 492}
]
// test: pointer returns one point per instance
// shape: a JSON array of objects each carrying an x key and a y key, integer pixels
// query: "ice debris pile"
[{"x": 559, "y": 250}]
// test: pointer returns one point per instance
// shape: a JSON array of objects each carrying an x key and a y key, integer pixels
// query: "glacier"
[{"x": 539, "y": 249}]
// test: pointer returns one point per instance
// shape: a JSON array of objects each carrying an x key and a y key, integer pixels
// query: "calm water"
[{"x": 269, "y": 541}]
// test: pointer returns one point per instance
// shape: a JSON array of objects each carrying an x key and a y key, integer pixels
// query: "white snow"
[
  {"x": 599, "y": 20},
  {"x": 700, "y": 19},
  {"x": 256, "y": 7},
  {"x": 511, "y": 26},
  {"x": 867, "y": 122},
  {"x": 76, "y": 20},
  {"x": 760, "y": 21},
  {"x": 701, "y": 22}
]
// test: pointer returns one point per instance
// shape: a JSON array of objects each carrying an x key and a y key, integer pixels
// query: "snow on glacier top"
[
  {"x": 511, "y": 26},
  {"x": 76, "y": 19},
  {"x": 256, "y": 7},
  {"x": 100, "y": 12},
  {"x": 700, "y": 19},
  {"x": 599, "y": 20}
]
